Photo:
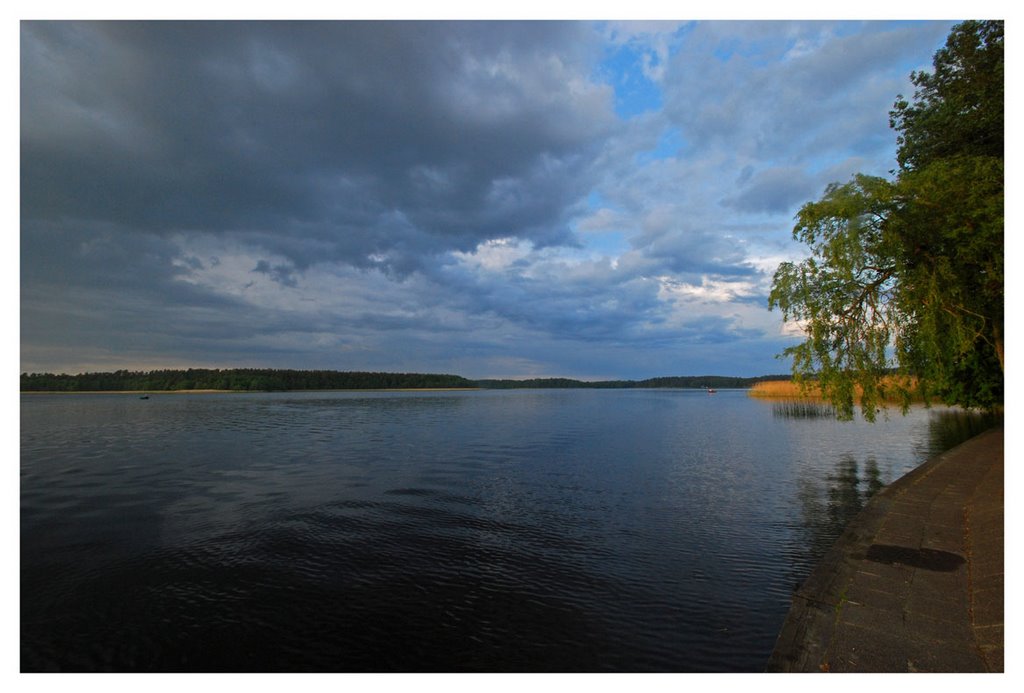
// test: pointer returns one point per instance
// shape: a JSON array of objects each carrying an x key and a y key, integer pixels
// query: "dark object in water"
[
  {"x": 144, "y": 397},
  {"x": 928, "y": 559}
]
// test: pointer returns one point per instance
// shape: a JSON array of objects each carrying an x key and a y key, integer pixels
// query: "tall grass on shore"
[
  {"x": 791, "y": 390},
  {"x": 784, "y": 389}
]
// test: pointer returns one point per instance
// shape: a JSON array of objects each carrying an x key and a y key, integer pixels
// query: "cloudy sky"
[{"x": 492, "y": 199}]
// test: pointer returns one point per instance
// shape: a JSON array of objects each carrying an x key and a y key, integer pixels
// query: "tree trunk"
[{"x": 998, "y": 337}]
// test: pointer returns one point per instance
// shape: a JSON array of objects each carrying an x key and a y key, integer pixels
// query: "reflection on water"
[
  {"x": 503, "y": 531},
  {"x": 950, "y": 427},
  {"x": 828, "y": 506},
  {"x": 829, "y": 502},
  {"x": 802, "y": 409}
]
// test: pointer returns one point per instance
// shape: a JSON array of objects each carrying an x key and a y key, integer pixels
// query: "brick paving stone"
[
  {"x": 931, "y": 657},
  {"x": 949, "y": 606},
  {"x": 989, "y": 548},
  {"x": 870, "y": 617},
  {"x": 899, "y": 576},
  {"x": 991, "y": 584},
  {"x": 916, "y": 581},
  {"x": 858, "y": 594},
  {"x": 943, "y": 538},
  {"x": 898, "y": 537},
  {"x": 940, "y": 583},
  {"x": 989, "y": 636},
  {"x": 897, "y": 585},
  {"x": 857, "y": 649},
  {"x": 993, "y": 657},
  {"x": 934, "y": 627},
  {"x": 987, "y": 607}
]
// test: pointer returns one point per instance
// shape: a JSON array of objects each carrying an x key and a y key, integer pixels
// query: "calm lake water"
[{"x": 500, "y": 531}]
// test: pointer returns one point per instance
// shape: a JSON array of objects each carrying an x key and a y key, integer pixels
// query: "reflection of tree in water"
[
  {"x": 826, "y": 511},
  {"x": 827, "y": 506},
  {"x": 950, "y": 427}
]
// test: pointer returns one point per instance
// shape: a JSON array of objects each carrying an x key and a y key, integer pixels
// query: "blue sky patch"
[{"x": 623, "y": 70}]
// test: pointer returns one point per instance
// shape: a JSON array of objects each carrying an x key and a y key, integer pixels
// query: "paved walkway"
[{"x": 916, "y": 581}]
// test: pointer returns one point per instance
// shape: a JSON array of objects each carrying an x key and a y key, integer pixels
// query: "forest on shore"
[{"x": 278, "y": 380}]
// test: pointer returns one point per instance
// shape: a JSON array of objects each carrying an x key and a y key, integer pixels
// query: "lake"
[{"x": 496, "y": 531}]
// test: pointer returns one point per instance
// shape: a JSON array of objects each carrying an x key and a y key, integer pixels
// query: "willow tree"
[{"x": 902, "y": 292}]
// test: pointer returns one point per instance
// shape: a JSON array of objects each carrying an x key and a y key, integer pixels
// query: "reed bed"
[
  {"x": 784, "y": 389},
  {"x": 802, "y": 409},
  {"x": 789, "y": 390}
]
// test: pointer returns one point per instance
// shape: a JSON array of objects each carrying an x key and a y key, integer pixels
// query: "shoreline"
[
  {"x": 379, "y": 389},
  {"x": 217, "y": 392}
]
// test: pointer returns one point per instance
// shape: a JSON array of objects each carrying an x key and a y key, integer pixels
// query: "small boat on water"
[
  {"x": 710, "y": 390},
  {"x": 144, "y": 397}
]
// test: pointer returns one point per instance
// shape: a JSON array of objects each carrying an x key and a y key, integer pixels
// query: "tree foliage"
[
  {"x": 903, "y": 287},
  {"x": 957, "y": 110}
]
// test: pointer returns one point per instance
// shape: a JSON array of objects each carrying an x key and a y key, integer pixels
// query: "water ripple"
[{"x": 488, "y": 531}]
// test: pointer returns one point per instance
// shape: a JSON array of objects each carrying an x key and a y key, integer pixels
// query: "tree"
[
  {"x": 903, "y": 290},
  {"x": 957, "y": 110}
]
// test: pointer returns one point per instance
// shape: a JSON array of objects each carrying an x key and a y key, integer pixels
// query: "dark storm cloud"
[
  {"x": 689, "y": 254},
  {"x": 377, "y": 144},
  {"x": 776, "y": 190},
  {"x": 431, "y": 196},
  {"x": 282, "y": 274},
  {"x": 100, "y": 256},
  {"x": 94, "y": 286}
]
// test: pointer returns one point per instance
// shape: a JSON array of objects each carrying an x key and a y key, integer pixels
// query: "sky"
[{"x": 585, "y": 199}]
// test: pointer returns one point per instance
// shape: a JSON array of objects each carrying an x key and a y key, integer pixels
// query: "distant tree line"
[
  {"x": 688, "y": 381},
  {"x": 241, "y": 379},
  {"x": 274, "y": 380}
]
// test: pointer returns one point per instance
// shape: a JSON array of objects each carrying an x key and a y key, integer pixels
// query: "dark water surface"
[{"x": 524, "y": 530}]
